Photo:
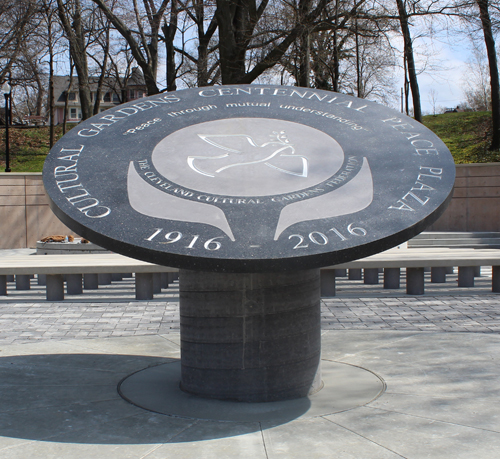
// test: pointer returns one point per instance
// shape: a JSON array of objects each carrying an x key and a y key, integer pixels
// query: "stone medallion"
[{"x": 249, "y": 178}]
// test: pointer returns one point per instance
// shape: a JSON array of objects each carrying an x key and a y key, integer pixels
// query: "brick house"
[{"x": 112, "y": 94}]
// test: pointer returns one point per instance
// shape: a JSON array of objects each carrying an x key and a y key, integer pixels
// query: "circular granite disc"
[
  {"x": 249, "y": 178},
  {"x": 345, "y": 387}
]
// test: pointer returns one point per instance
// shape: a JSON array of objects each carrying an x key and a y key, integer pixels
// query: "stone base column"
[
  {"x": 74, "y": 284},
  {"x": 90, "y": 281},
  {"x": 3, "y": 285},
  {"x": 495, "y": 281},
  {"x": 392, "y": 277},
  {"x": 415, "y": 281},
  {"x": 438, "y": 275},
  {"x": 370, "y": 276},
  {"x": 327, "y": 282},
  {"x": 104, "y": 278},
  {"x": 22, "y": 282},
  {"x": 466, "y": 276},
  {"x": 355, "y": 274},
  {"x": 250, "y": 337},
  {"x": 143, "y": 286},
  {"x": 55, "y": 287}
]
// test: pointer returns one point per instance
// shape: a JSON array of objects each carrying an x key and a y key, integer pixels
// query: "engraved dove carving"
[{"x": 240, "y": 150}]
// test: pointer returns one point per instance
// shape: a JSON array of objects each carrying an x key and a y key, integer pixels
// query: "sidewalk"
[{"x": 435, "y": 358}]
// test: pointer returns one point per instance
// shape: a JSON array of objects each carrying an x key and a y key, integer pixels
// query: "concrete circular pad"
[{"x": 345, "y": 387}]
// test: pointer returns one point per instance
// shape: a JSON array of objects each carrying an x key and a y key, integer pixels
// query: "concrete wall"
[
  {"x": 25, "y": 216},
  {"x": 476, "y": 200}
]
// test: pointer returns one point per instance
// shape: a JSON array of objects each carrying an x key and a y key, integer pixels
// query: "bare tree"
[
  {"x": 409, "y": 59},
  {"x": 143, "y": 43},
  {"x": 169, "y": 31},
  {"x": 237, "y": 23},
  {"x": 483, "y": 25},
  {"x": 16, "y": 16},
  {"x": 204, "y": 59},
  {"x": 433, "y": 98},
  {"x": 50, "y": 34},
  {"x": 72, "y": 21},
  {"x": 477, "y": 88},
  {"x": 489, "y": 42}
]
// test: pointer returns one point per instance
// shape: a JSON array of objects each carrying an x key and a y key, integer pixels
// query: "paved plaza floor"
[{"x": 435, "y": 358}]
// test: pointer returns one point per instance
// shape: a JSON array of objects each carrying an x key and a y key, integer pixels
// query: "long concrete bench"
[
  {"x": 73, "y": 267},
  {"x": 415, "y": 261},
  {"x": 76, "y": 268}
]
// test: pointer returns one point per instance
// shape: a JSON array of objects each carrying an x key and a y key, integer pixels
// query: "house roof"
[{"x": 61, "y": 84}]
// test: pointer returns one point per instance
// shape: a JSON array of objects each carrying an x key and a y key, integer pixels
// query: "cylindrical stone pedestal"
[
  {"x": 392, "y": 278},
  {"x": 156, "y": 282},
  {"x": 22, "y": 282},
  {"x": 371, "y": 276},
  {"x": 90, "y": 281},
  {"x": 415, "y": 281},
  {"x": 104, "y": 278},
  {"x": 55, "y": 287},
  {"x": 143, "y": 286},
  {"x": 466, "y": 276},
  {"x": 3, "y": 285},
  {"x": 74, "y": 284},
  {"x": 438, "y": 275},
  {"x": 250, "y": 337},
  {"x": 495, "y": 281},
  {"x": 327, "y": 282},
  {"x": 355, "y": 274}
]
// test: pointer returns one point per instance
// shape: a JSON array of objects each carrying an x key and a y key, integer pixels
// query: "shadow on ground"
[{"x": 73, "y": 398}]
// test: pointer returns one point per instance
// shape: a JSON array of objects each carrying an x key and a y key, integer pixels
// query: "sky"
[
  {"x": 444, "y": 75},
  {"x": 447, "y": 80}
]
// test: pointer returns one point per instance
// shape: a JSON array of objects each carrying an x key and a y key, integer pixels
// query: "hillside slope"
[{"x": 467, "y": 135}]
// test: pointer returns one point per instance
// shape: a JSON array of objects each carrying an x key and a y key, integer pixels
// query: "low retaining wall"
[
  {"x": 476, "y": 200},
  {"x": 25, "y": 216}
]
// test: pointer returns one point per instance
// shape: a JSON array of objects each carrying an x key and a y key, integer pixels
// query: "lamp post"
[{"x": 6, "y": 92}]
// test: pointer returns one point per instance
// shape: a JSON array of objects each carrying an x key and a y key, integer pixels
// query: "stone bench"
[
  {"x": 78, "y": 268},
  {"x": 90, "y": 267},
  {"x": 415, "y": 261}
]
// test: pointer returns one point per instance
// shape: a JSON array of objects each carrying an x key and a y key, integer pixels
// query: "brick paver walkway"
[
  {"x": 480, "y": 313},
  {"x": 112, "y": 311}
]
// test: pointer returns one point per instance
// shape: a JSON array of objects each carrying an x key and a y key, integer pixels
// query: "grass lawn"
[
  {"x": 466, "y": 134},
  {"x": 28, "y": 147}
]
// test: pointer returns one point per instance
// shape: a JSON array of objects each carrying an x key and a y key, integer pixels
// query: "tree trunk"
[
  {"x": 147, "y": 59},
  {"x": 102, "y": 76},
  {"x": 336, "y": 60},
  {"x": 51, "y": 89},
  {"x": 494, "y": 78},
  {"x": 408, "y": 55},
  {"x": 359, "y": 77},
  {"x": 169, "y": 34},
  {"x": 73, "y": 29},
  {"x": 231, "y": 20},
  {"x": 304, "y": 61},
  {"x": 204, "y": 37},
  {"x": 66, "y": 100},
  {"x": 304, "y": 48}
]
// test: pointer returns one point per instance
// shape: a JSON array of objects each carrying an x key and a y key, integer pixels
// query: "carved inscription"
[
  {"x": 418, "y": 195},
  {"x": 250, "y": 175},
  {"x": 69, "y": 183}
]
